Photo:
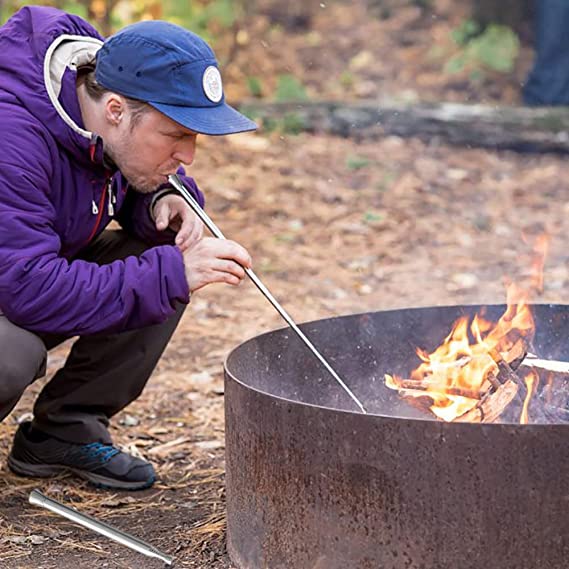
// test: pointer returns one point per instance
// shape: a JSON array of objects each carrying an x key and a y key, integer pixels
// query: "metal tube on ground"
[
  {"x": 215, "y": 231},
  {"x": 38, "y": 499}
]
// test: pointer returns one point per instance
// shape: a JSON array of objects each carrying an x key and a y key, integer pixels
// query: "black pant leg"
[{"x": 103, "y": 372}]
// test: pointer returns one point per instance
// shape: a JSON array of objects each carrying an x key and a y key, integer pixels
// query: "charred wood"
[
  {"x": 492, "y": 404},
  {"x": 513, "y": 348},
  {"x": 407, "y": 386},
  {"x": 505, "y": 371}
]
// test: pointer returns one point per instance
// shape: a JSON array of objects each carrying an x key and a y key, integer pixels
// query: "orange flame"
[
  {"x": 549, "y": 388},
  {"x": 457, "y": 373},
  {"x": 462, "y": 364},
  {"x": 540, "y": 250},
  {"x": 531, "y": 379}
]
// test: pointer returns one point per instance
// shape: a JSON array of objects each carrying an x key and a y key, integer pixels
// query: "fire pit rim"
[
  {"x": 427, "y": 420},
  {"x": 375, "y": 416}
]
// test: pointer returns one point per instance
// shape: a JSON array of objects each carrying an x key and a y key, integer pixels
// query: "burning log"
[
  {"x": 505, "y": 371},
  {"x": 513, "y": 353},
  {"x": 492, "y": 404},
  {"x": 424, "y": 385},
  {"x": 501, "y": 385},
  {"x": 471, "y": 375},
  {"x": 506, "y": 386}
]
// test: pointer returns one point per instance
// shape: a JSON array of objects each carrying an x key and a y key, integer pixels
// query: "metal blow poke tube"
[
  {"x": 215, "y": 231},
  {"x": 38, "y": 499}
]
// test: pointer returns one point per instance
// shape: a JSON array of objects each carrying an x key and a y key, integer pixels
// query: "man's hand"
[
  {"x": 172, "y": 211},
  {"x": 212, "y": 260}
]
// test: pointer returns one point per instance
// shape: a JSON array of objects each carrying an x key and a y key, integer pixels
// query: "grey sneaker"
[{"x": 39, "y": 454}]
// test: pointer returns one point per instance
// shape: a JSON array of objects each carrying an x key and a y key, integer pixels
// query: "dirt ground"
[
  {"x": 417, "y": 225},
  {"x": 334, "y": 227}
]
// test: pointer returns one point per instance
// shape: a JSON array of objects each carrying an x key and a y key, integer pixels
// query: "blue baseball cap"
[{"x": 174, "y": 71}]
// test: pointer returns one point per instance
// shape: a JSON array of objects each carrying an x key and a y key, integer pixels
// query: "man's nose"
[{"x": 185, "y": 150}]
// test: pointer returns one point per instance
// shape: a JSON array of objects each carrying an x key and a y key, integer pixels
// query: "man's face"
[{"x": 149, "y": 151}]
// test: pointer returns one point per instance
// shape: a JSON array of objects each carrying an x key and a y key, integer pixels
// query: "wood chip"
[{"x": 164, "y": 448}]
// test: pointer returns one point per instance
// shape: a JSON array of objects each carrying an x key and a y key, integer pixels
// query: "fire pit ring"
[{"x": 313, "y": 484}]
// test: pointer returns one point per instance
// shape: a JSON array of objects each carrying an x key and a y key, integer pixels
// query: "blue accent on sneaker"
[
  {"x": 104, "y": 465},
  {"x": 100, "y": 451}
]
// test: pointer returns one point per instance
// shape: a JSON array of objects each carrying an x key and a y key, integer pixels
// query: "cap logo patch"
[{"x": 212, "y": 85}]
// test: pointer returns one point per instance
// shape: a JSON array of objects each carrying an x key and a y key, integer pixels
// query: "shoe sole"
[{"x": 49, "y": 470}]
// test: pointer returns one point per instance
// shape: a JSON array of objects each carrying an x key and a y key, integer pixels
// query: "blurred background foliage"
[
  {"x": 210, "y": 17},
  {"x": 481, "y": 41},
  {"x": 203, "y": 16}
]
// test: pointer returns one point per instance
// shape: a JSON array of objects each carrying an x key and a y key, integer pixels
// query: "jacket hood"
[{"x": 41, "y": 50}]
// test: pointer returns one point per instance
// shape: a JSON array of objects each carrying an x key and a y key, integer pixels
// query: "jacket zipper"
[
  {"x": 98, "y": 210},
  {"x": 112, "y": 199}
]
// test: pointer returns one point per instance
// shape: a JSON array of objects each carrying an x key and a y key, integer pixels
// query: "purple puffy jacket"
[{"x": 55, "y": 192}]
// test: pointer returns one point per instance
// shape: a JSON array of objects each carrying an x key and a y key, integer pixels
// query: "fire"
[
  {"x": 540, "y": 249},
  {"x": 464, "y": 368},
  {"x": 457, "y": 373},
  {"x": 531, "y": 380}
]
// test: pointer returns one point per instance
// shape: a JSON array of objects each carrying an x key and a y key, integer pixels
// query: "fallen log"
[{"x": 541, "y": 129}]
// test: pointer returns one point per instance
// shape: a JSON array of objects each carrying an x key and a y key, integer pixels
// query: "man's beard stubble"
[{"x": 113, "y": 161}]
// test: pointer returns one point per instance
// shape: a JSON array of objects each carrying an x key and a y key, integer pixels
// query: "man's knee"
[{"x": 22, "y": 359}]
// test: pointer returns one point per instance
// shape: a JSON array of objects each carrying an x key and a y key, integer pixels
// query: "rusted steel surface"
[{"x": 315, "y": 487}]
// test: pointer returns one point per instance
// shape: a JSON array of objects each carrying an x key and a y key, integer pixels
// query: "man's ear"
[{"x": 114, "y": 109}]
